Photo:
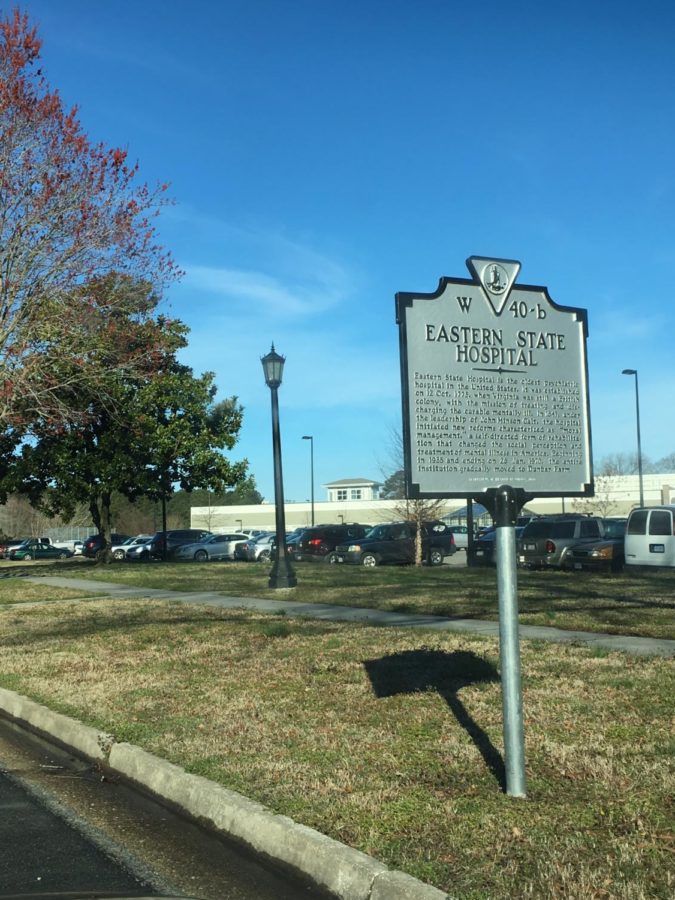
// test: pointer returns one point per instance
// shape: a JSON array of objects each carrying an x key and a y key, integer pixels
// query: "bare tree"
[
  {"x": 20, "y": 519},
  {"x": 410, "y": 510},
  {"x": 623, "y": 464},
  {"x": 418, "y": 512},
  {"x": 211, "y": 514},
  {"x": 666, "y": 465},
  {"x": 602, "y": 503}
]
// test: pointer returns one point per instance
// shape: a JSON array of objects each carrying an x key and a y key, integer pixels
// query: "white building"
[
  {"x": 356, "y": 500},
  {"x": 350, "y": 489}
]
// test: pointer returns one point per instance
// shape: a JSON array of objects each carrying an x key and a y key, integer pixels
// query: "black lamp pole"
[
  {"x": 639, "y": 444},
  {"x": 309, "y": 437},
  {"x": 282, "y": 574}
]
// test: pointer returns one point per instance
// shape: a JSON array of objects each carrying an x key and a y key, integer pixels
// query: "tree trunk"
[
  {"x": 418, "y": 541},
  {"x": 95, "y": 514},
  {"x": 105, "y": 530},
  {"x": 164, "y": 524}
]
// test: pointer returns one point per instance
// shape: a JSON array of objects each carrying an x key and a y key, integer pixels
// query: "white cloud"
[
  {"x": 258, "y": 270},
  {"x": 266, "y": 292}
]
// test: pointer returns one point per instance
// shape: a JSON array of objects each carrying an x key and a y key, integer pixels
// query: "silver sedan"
[{"x": 216, "y": 546}]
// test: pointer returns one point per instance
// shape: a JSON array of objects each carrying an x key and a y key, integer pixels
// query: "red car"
[{"x": 7, "y": 545}]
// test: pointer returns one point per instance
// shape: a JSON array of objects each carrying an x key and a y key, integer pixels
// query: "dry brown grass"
[
  {"x": 388, "y": 740},
  {"x": 18, "y": 590}
]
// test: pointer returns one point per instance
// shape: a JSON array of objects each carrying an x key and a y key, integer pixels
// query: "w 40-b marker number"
[
  {"x": 521, "y": 310},
  {"x": 518, "y": 308}
]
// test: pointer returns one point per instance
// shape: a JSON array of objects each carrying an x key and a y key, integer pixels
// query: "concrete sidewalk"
[{"x": 638, "y": 646}]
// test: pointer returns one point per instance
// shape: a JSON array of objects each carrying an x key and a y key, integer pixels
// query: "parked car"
[
  {"x": 253, "y": 532},
  {"x": 256, "y": 549},
  {"x": 6, "y": 546},
  {"x": 35, "y": 548},
  {"x": 604, "y": 553},
  {"x": 650, "y": 537},
  {"x": 94, "y": 544},
  {"x": 119, "y": 551},
  {"x": 292, "y": 538},
  {"x": 484, "y": 549},
  {"x": 545, "y": 541},
  {"x": 172, "y": 540},
  {"x": 74, "y": 546},
  {"x": 395, "y": 543},
  {"x": 461, "y": 534},
  {"x": 241, "y": 550},
  {"x": 522, "y": 521},
  {"x": 215, "y": 546},
  {"x": 135, "y": 552},
  {"x": 317, "y": 544}
]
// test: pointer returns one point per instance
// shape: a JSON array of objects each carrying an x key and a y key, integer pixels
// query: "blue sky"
[{"x": 324, "y": 154}]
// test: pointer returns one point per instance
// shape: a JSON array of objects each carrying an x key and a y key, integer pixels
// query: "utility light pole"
[
  {"x": 309, "y": 437},
  {"x": 639, "y": 446}
]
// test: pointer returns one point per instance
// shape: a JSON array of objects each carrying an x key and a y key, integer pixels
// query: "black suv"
[
  {"x": 395, "y": 543},
  {"x": 546, "y": 540},
  {"x": 317, "y": 544},
  {"x": 605, "y": 553},
  {"x": 94, "y": 544}
]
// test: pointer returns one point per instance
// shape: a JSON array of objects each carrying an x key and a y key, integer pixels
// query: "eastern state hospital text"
[{"x": 486, "y": 345}]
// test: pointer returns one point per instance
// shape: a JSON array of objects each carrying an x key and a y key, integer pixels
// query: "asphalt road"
[
  {"x": 42, "y": 852},
  {"x": 64, "y": 827}
]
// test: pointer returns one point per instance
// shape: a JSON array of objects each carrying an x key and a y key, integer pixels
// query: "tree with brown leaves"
[{"x": 72, "y": 212}]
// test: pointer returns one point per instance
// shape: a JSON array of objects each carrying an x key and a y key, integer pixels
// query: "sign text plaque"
[{"x": 495, "y": 387}]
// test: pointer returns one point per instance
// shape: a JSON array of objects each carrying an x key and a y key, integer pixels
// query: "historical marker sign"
[{"x": 495, "y": 387}]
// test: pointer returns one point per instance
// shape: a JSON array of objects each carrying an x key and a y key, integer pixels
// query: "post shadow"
[{"x": 416, "y": 671}]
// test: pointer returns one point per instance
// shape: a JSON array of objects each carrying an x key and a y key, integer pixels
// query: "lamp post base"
[{"x": 282, "y": 575}]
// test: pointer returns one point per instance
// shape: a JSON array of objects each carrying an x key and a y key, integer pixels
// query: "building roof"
[{"x": 351, "y": 482}]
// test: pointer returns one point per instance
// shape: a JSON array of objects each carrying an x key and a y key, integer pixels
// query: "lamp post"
[
  {"x": 282, "y": 574},
  {"x": 639, "y": 446},
  {"x": 310, "y": 438}
]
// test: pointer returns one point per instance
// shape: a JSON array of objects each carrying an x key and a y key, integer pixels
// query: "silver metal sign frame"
[{"x": 494, "y": 382}]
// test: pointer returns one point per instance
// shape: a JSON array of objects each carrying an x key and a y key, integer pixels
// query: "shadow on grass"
[
  {"x": 417, "y": 671},
  {"x": 552, "y": 591}
]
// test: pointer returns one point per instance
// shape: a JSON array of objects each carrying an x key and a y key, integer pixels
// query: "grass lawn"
[
  {"x": 385, "y": 739},
  {"x": 14, "y": 590},
  {"x": 629, "y": 603}
]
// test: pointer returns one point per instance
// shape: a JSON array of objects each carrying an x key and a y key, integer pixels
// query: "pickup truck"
[{"x": 394, "y": 543}]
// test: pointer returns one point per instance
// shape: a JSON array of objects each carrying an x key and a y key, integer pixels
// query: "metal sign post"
[
  {"x": 495, "y": 406},
  {"x": 505, "y": 503}
]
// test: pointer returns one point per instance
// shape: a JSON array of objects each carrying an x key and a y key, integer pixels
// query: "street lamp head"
[
  {"x": 273, "y": 367},
  {"x": 629, "y": 372},
  {"x": 307, "y": 437}
]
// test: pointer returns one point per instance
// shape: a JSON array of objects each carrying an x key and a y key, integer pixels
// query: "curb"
[{"x": 346, "y": 873}]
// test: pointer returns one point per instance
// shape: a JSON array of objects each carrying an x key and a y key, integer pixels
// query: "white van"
[{"x": 650, "y": 537}]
